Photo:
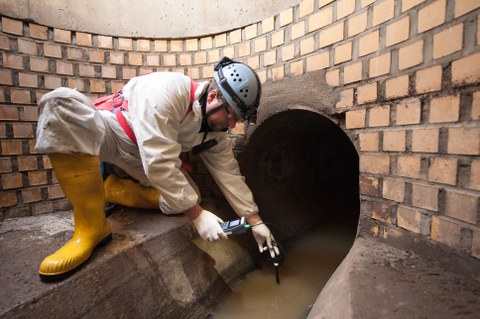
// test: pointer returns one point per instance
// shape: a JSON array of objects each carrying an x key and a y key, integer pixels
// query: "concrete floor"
[
  {"x": 377, "y": 280},
  {"x": 155, "y": 267}
]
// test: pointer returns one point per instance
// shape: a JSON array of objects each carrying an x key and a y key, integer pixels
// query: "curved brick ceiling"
[{"x": 145, "y": 18}]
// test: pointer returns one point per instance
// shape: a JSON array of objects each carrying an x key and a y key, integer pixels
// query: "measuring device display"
[{"x": 234, "y": 227}]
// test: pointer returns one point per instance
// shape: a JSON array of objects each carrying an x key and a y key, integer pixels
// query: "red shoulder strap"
[{"x": 193, "y": 87}]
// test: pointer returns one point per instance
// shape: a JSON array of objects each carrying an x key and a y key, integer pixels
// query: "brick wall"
[{"x": 407, "y": 73}]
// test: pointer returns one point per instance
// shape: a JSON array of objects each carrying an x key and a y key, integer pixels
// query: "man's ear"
[{"x": 211, "y": 96}]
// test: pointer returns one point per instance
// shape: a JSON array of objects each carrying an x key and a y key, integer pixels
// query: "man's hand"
[
  {"x": 208, "y": 227},
  {"x": 262, "y": 234}
]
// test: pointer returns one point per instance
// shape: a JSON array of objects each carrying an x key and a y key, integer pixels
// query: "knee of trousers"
[{"x": 68, "y": 123}]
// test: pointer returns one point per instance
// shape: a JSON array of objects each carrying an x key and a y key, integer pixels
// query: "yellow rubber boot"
[
  {"x": 129, "y": 193},
  {"x": 81, "y": 180}
]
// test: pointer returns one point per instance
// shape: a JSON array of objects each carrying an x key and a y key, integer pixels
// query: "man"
[{"x": 162, "y": 115}]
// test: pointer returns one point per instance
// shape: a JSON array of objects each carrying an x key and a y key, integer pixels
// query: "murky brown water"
[{"x": 309, "y": 263}]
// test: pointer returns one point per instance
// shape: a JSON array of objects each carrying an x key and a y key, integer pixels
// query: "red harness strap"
[{"x": 117, "y": 104}]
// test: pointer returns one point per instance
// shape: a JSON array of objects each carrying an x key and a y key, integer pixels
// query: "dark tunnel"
[{"x": 303, "y": 170}]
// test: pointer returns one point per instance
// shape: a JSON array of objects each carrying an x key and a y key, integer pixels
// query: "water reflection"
[{"x": 309, "y": 263}]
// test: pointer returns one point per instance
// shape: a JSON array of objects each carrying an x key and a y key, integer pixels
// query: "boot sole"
[{"x": 58, "y": 277}]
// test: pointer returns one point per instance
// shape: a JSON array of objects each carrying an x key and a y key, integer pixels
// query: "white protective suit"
[{"x": 158, "y": 105}]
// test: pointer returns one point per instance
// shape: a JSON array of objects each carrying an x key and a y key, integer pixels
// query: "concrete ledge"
[
  {"x": 376, "y": 280},
  {"x": 156, "y": 266}
]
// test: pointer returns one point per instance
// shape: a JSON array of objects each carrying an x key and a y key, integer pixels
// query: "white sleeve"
[
  {"x": 224, "y": 168},
  {"x": 157, "y": 104}
]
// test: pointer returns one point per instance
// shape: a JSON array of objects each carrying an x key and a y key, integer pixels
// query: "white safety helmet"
[{"x": 240, "y": 86}]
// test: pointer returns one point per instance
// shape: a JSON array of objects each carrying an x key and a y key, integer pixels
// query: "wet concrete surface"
[
  {"x": 155, "y": 267},
  {"x": 377, "y": 280}
]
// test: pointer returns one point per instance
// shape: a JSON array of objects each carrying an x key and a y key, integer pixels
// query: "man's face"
[{"x": 223, "y": 118}]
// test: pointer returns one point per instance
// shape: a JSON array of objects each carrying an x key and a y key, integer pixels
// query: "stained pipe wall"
[{"x": 303, "y": 170}]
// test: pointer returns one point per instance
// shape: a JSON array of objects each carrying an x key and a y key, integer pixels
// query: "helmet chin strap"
[{"x": 215, "y": 110}]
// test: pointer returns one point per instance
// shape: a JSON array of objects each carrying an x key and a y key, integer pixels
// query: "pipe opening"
[{"x": 303, "y": 170}]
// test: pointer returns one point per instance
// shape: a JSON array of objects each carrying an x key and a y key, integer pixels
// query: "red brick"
[
  {"x": 38, "y": 31},
  {"x": 425, "y": 140},
  {"x": 369, "y": 185},
  {"x": 20, "y": 96},
  {"x": 55, "y": 191},
  {"x": 30, "y": 114},
  {"x": 375, "y": 164},
  {"x": 409, "y": 166},
  {"x": 383, "y": 11},
  {"x": 27, "y": 163},
  {"x": 357, "y": 24},
  {"x": 379, "y": 116},
  {"x": 320, "y": 19},
  {"x": 408, "y": 4},
  {"x": 97, "y": 86},
  {"x": 475, "y": 175},
  {"x": 117, "y": 57},
  {"x": 331, "y": 35},
  {"x": 12, "y": 61},
  {"x": 28, "y": 47},
  {"x": 410, "y": 55},
  {"x": 96, "y": 56},
  {"x": 476, "y": 244},
  {"x": 431, "y": 16},
  {"x": 412, "y": 220},
  {"x": 443, "y": 170},
  {"x": 87, "y": 70},
  {"x": 462, "y": 206},
  {"x": 6, "y": 77},
  {"x": 380, "y": 65},
  {"x": 476, "y": 106},
  {"x": 64, "y": 68},
  {"x": 76, "y": 54},
  {"x": 394, "y": 141},
  {"x": 31, "y": 195},
  {"x": 445, "y": 109},
  {"x": 369, "y": 43},
  {"x": 398, "y": 31},
  {"x": 396, "y": 87},
  {"x": 52, "y": 81},
  {"x": 429, "y": 80},
  {"x": 4, "y": 43},
  {"x": 8, "y": 199},
  {"x": 37, "y": 177},
  {"x": 52, "y": 50},
  {"x": 105, "y": 42},
  {"x": 466, "y": 70},
  {"x": 394, "y": 190},
  {"x": 21, "y": 130},
  {"x": 367, "y": 93},
  {"x": 368, "y": 141},
  {"x": 465, "y": 6},
  {"x": 28, "y": 80},
  {"x": 355, "y": 119},
  {"x": 464, "y": 140},
  {"x": 12, "y": 26},
  {"x": 448, "y": 41},
  {"x": 12, "y": 180},
  {"x": 84, "y": 39},
  {"x": 9, "y": 113},
  {"x": 63, "y": 36},
  {"x": 352, "y": 73},
  {"x": 39, "y": 65},
  {"x": 5, "y": 165},
  {"x": 382, "y": 211},
  {"x": 424, "y": 196}
]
